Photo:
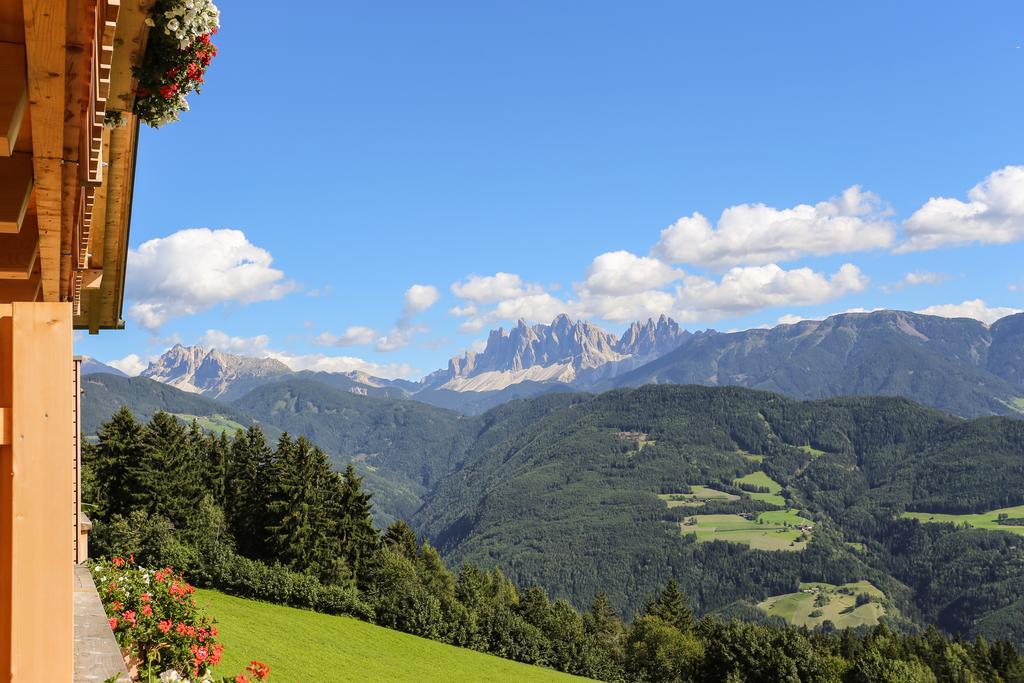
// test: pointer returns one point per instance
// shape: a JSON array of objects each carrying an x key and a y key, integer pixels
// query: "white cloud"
[
  {"x": 755, "y": 234},
  {"x": 789, "y": 319},
  {"x": 130, "y": 365},
  {"x": 916, "y": 279},
  {"x": 357, "y": 335},
  {"x": 419, "y": 298},
  {"x": 491, "y": 289},
  {"x": 744, "y": 290},
  {"x": 993, "y": 214},
  {"x": 974, "y": 308},
  {"x": 259, "y": 347},
  {"x": 192, "y": 270},
  {"x": 463, "y": 311},
  {"x": 244, "y": 346},
  {"x": 627, "y": 307},
  {"x": 541, "y": 307},
  {"x": 398, "y": 337},
  {"x": 319, "y": 362},
  {"x": 620, "y": 272}
]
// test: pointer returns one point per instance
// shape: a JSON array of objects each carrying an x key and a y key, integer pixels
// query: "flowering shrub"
[
  {"x": 179, "y": 50},
  {"x": 161, "y": 630}
]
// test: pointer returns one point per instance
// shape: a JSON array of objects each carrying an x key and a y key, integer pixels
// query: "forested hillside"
[
  {"x": 276, "y": 523},
  {"x": 571, "y": 500},
  {"x": 572, "y": 491}
]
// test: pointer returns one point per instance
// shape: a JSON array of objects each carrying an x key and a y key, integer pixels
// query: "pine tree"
[
  {"x": 357, "y": 537},
  {"x": 401, "y": 538},
  {"x": 671, "y": 606},
  {"x": 247, "y": 491},
  {"x": 120, "y": 444},
  {"x": 163, "y": 480},
  {"x": 299, "y": 538}
]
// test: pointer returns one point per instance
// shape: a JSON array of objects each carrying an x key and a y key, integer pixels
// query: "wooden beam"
[
  {"x": 38, "y": 465},
  {"x": 45, "y": 34},
  {"x": 5, "y": 427},
  {"x": 13, "y": 95},
  {"x": 18, "y": 253},
  {"x": 91, "y": 278},
  {"x": 15, "y": 191}
]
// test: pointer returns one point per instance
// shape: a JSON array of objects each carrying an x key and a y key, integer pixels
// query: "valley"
[{"x": 625, "y": 489}]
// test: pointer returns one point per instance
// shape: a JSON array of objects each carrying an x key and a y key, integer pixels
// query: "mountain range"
[
  {"x": 959, "y": 365},
  {"x": 572, "y": 491}
]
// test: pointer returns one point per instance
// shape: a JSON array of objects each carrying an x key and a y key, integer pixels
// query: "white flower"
[
  {"x": 170, "y": 675},
  {"x": 150, "y": 22},
  {"x": 173, "y": 25}
]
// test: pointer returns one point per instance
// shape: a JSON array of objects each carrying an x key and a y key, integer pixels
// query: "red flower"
[
  {"x": 172, "y": 72},
  {"x": 147, "y": 610},
  {"x": 113, "y": 623},
  {"x": 118, "y": 561},
  {"x": 259, "y": 670},
  {"x": 194, "y": 71},
  {"x": 169, "y": 91},
  {"x": 145, "y": 598},
  {"x": 165, "y": 625},
  {"x": 131, "y": 558},
  {"x": 241, "y": 678},
  {"x": 129, "y": 616},
  {"x": 117, "y": 605}
]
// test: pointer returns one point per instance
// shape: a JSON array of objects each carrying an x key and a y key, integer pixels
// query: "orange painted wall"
[{"x": 36, "y": 504}]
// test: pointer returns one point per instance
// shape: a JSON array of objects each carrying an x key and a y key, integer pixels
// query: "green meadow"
[
  {"x": 814, "y": 452},
  {"x": 983, "y": 520},
  {"x": 300, "y": 645},
  {"x": 212, "y": 423},
  {"x": 698, "y": 494},
  {"x": 818, "y": 602},
  {"x": 775, "y": 530},
  {"x": 759, "y": 478}
]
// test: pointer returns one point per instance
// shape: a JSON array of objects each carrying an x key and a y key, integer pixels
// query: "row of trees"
[{"x": 280, "y": 524}]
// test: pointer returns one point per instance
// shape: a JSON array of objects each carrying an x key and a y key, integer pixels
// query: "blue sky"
[{"x": 342, "y": 153}]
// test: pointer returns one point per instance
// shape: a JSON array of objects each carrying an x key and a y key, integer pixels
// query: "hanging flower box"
[{"x": 179, "y": 50}]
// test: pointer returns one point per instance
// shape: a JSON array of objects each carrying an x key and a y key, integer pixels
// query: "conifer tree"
[
  {"x": 401, "y": 538},
  {"x": 120, "y": 444},
  {"x": 357, "y": 537},
  {"x": 247, "y": 491},
  {"x": 300, "y": 535},
  {"x": 671, "y": 606},
  {"x": 163, "y": 480}
]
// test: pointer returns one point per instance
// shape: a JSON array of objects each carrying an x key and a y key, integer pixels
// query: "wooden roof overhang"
[{"x": 65, "y": 178}]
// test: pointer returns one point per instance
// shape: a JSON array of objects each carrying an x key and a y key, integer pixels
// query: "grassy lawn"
[
  {"x": 306, "y": 646},
  {"x": 759, "y": 478},
  {"x": 212, "y": 423},
  {"x": 982, "y": 520},
  {"x": 841, "y": 608},
  {"x": 814, "y": 452},
  {"x": 696, "y": 497},
  {"x": 751, "y": 457},
  {"x": 769, "y": 531}
]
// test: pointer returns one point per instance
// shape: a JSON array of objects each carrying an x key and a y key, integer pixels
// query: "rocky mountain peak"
[{"x": 554, "y": 352}]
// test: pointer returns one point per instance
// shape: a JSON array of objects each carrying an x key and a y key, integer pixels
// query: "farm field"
[
  {"x": 696, "y": 497},
  {"x": 773, "y": 530},
  {"x": 212, "y": 423},
  {"x": 300, "y": 645},
  {"x": 841, "y": 606},
  {"x": 982, "y": 520},
  {"x": 759, "y": 478}
]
